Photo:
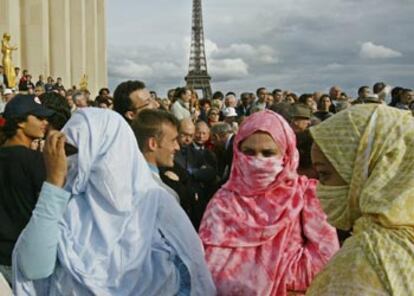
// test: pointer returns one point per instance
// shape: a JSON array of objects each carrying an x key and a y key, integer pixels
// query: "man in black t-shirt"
[{"x": 22, "y": 171}]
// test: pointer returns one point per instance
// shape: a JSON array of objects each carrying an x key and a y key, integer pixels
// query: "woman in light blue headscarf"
[{"x": 121, "y": 234}]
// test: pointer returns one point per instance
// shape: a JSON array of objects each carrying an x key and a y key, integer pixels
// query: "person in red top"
[{"x": 264, "y": 231}]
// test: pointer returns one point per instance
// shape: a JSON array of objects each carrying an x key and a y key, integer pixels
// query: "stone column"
[
  {"x": 92, "y": 45},
  {"x": 10, "y": 23},
  {"x": 102, "y": 76},
  {"x": 59, "y": 20},
  {"x": 65, "y": 38},
  {"x": 77, "y": 40},
  {"x": 35, "y": 46}
]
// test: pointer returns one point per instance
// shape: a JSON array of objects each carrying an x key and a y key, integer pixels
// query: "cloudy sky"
[{"x": 302, "y": 45}]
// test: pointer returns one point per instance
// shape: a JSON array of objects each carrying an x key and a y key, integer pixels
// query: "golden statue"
[
  {"x": 83, "y": 85},
  {"x": 7, "y": 62}
]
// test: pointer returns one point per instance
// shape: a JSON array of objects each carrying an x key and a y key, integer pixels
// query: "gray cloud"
[
  {"x": 301, "y": 45},
  {"x": 228, "y": 69},
  {"x": 370, "y": 50}
]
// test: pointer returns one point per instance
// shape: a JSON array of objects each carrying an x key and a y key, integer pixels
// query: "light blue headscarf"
[{"x": 121, "y": 231}]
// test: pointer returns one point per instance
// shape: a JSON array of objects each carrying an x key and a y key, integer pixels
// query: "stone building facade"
[{"x": 61, "y": 38}]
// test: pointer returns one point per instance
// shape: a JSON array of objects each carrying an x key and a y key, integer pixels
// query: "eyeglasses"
[{"x": 214, "y": 114}]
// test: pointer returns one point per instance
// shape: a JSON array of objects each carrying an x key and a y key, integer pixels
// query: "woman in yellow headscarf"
[{"x": 365, "y": 158}]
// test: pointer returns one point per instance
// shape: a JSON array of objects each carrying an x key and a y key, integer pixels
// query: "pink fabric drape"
[{"x": 267, "y": 241}]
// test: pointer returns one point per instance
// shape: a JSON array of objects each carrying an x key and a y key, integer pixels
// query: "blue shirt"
[
  {"x": 37, "y": 247},
  {"x": 154, "y": 168},
  {"x": 185, "y": 280}
]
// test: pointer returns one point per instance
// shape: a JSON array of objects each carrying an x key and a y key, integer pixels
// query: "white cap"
[
  {"x": 229, "y": 112},
  {"x": 7, "y": 91}
]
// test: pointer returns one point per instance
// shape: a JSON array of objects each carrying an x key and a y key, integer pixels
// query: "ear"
[
  {"x": 152, "y": 144},
  {"x": 129, "y": 115}
]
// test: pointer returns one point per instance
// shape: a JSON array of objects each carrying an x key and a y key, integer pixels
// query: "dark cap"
[
  {"x": 283, "y": 109},
  {"x": 300, "y": 111},
  {"x": 23, "y": 105}
]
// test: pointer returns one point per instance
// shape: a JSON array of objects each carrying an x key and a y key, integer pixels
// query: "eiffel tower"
[{"x": 197, "y": 77}]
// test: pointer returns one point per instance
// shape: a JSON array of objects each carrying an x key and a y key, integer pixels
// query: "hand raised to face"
[{"x": 55, "y": 158}]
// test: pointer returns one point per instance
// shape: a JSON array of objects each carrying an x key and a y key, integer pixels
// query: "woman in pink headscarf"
[{"x": 264, "y": 231}]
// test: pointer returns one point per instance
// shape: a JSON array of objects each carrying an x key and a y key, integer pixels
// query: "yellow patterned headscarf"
[{"x": 372, "y": 148}]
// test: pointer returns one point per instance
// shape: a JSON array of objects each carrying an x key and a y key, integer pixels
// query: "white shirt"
[{"x": 180, "y": 111}]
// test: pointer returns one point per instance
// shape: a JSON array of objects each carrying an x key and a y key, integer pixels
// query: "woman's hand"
[{"x": 55, "y": 159}]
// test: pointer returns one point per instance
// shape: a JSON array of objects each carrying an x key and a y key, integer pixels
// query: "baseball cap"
[{"x": 23, "y": 105}]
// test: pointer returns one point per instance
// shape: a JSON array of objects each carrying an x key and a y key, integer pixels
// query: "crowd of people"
[{"x": 266, "y": 193}]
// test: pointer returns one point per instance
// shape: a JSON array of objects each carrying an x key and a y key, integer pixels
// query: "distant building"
[{"x": 61, "y": 38}]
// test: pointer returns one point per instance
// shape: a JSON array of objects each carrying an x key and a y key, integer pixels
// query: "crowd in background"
[{"x": 221, "y": 159}]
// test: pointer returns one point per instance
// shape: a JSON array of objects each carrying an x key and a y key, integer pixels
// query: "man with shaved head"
[
  {"x": 230, "y": 100},
  {"x": 202, "y": 135},
  {"x": 339, "y": 102},
  {"x": 186, "y": 132},
  {"x": 335, "y": 93}
]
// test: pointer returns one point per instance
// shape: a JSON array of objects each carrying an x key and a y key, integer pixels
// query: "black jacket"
[
  {"x": 182, "y": 186},
  {"x": 242, "y": 110},
  {"x": 225, "y": 160},
  {"x": 201, "y": 165}
]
